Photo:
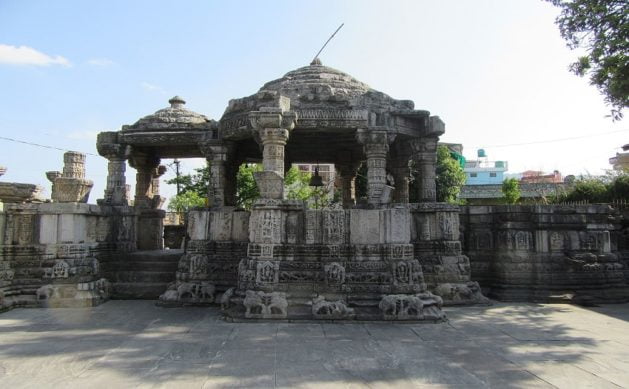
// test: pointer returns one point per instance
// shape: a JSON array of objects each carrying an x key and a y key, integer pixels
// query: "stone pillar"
[
  {"x": 273, "y": 126},
  {"x": 348, "y": 177},
  {"x": 73, "y": 164},
  {"x": 401, "y": 175},
  {"x": 157, "y": 199},
  {"x": 116, "y": 189},
  {"x": 273, "y": 141},
  {"x": 231, "y": 176},
  {"x": 216, "y": 156},
  {"x": 146, "y": 167},
  {"x": 376, "y": 147},
  {"x": 425, "y": 157}
]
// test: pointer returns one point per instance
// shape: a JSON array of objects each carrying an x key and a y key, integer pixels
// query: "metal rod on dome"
[{"x": 326, "y": 42}]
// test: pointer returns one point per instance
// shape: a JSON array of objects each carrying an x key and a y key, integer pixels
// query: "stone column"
[
  {"x": 425, "y": 157},
  {"x": 273, "y": 141},
  {"x": 73, "y": 164},
  {"x": 116, "y": 189},
  {"x": 401, "y": 175},
  {"x": 216, "y": 156},
  {"x": 156, "y": 174},
  {"x": 376, "y": 147},
  {"x": 146, "y": 167},
  {"x": 348, "y": 177},
  {"x": 273, "y": 126}
]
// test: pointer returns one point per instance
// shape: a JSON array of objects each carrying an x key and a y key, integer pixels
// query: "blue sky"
[{"x": 495, "y": 71}]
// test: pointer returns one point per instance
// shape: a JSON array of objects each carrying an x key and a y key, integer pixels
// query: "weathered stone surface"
[
  {"x": 71, "y": 185},
  {"x": 12, "y": 192},
  {"x": 545, "y": 253}
]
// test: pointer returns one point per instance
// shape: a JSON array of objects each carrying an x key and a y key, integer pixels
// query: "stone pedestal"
[{"x": 51, "y": 254}]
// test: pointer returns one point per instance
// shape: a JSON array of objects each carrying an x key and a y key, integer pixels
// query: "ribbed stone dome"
[
  {"x": 316, "y": 79},
  {"x": 170, "y": 118},
  {"x": 317, "y": 87}
]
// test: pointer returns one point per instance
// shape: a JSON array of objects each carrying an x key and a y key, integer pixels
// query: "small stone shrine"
[{"x": 379, "y": 259}]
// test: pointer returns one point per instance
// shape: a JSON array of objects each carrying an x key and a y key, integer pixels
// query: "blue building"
[{"x": 484, "y": 172}]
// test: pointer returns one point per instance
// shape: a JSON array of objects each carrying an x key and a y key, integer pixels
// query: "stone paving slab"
[{"x": 135, "y": 344}]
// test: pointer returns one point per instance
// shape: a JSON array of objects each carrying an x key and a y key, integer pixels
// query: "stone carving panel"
[
  {"x": 334, "y": 273},
  {"x": 267, "y": 272},
  {"x": 189, "y": 292},
  {"x": 323, "y": 309},
  {"x": 265, "y": 305},
  {"x": 421, "y": 306}
]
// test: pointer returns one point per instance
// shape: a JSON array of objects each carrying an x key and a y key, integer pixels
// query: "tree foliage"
[
  {"x": 195, "y": 182},
  {"x": 450, "y": 176},
  {"x": 511, "y": 190},
  {"x": 601, "y": 27},
  {"x": 296, "y": 183},
  {"x": 614, "y": 186},
  {"x": 185, "y": 201},
  {"x": 246, "y": 189}
]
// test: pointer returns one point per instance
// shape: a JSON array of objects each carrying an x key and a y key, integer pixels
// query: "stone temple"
[{"x": 388, "y": 259}]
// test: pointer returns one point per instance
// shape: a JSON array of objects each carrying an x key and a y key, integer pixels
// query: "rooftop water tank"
[{"x": 481, "y": 153}]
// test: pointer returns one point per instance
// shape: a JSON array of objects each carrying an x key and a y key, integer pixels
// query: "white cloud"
[
  {"x": 152, "y": 87},
  {"x": 101, "y": 62},
  {"x": 24, "y": 55}
]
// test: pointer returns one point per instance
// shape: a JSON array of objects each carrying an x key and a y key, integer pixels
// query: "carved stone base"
[
  {"x": 188, "y": 293},
  {"x": 461, "y": 293},
  {"x": 271, "y": 184},
  {"x": 421, "y": 306},
  {"x": 84, "y": 294}
]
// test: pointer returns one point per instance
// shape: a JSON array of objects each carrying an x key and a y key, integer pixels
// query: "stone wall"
[
  {"x": 346, "y": 261},
  {"x": 50, "y": 253},
  {"x": 546, "y": 253}
]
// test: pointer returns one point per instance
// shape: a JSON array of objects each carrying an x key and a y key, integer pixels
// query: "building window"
[
  {"x": 473, "y": 174},
  {"x": 492, "y": 174}
]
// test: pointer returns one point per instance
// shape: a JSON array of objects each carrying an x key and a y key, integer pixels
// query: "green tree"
[
  {"x": 450, "y": 176},
  {"x": 297, "y": 185},
  {"x": 246, "y": 189},
  {"x": 185, "y": 201},
  {"x": 196, "y": 182},
  {"x": 511, "y": 190},
  {"x": 601, "y": 27}
]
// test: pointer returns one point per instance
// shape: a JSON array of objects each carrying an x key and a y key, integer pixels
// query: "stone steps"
[{"x": 142, "y": 274}]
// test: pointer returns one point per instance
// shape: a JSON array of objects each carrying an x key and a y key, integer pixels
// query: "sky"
[{"x": 496, "y": 72}]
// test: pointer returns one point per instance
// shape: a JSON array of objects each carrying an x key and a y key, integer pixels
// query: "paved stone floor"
[{"x": 136, "y": 344}]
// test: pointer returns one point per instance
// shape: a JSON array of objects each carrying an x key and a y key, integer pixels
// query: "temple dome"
[
  {"x": 316, "y": 79},
  {"x": 170, "y": 118},
  {"x": 317, "y": 87}
]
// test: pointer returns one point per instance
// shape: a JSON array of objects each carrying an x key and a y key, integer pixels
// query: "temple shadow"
[{"x": 125, "y": 343}]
